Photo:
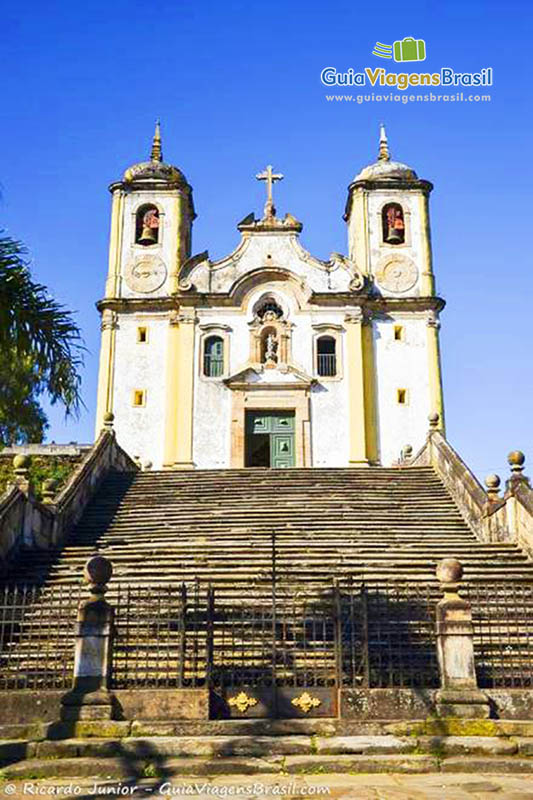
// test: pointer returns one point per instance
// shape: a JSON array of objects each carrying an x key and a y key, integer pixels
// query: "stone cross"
[{"x": 270, "y": 178}]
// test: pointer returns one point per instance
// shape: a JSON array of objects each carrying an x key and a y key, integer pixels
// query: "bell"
[
  {"x": 394, "y": 236},
  {"x": 149, "y": 235}
]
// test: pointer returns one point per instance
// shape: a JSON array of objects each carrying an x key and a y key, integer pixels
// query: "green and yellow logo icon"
[{"x": 407, "y": 49}]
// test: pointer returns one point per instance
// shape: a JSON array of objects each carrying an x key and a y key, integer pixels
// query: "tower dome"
[
  {"x": 384, "y": 169},
  {"x": 155, "y": 169}
]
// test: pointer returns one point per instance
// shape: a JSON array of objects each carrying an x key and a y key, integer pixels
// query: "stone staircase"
[
  {"x": 131, "y": 752},
  {"x": 217, "y": 526},
  {"x": 160, "y": 529},
  {"x": 163, "y": 528}
]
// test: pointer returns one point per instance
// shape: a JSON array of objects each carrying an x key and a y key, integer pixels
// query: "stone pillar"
[
  {"x": 434, "y": 368},
  {"x": 359, "y": 347},
  {"x": 492, "y": 482},
  {"x": 90, "y": 697},
  {"x": 185, "y": 409},
  {"x": 459, "y": 695},
  {"x": 516, "y": 460},
  {"x": 48, "y": 490},
  {"x": 180, "y": 390},
  {"x": 21, "y": 474},
  {"x": 106, "y": 369},
  {"x": 22, "y": 480}
]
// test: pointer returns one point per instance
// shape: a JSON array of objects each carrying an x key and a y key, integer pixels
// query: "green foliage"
[
  {"x": 41, "y": 351},
  {"x": 42, "y": 468}
]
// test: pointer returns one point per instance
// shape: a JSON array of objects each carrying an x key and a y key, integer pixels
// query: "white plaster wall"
[
  {"x": 140, "y": 431},
  {"x": 168, "y": 236},
  {"x": 212, "y": 402},
  {"x": 401, "y": 365}
]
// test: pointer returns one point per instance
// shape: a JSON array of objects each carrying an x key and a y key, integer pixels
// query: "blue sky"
[{"x": 237, "y": 86}]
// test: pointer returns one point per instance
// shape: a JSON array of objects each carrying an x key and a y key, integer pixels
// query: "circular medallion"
[
  {"x": 146, "y": 274},
  {"x": 397, "y": 274}
]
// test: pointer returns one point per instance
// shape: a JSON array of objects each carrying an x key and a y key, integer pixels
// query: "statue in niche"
[
  {"x": 394, "y": 225},
  {"x": 150, "y": 227},
  {"x": 270, "y": 348}
]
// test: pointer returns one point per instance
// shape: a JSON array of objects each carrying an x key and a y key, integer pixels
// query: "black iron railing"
[
  {"x": 327, "y": 365},
  {"x": 160, "y": 636},
  {"x": 352, "y": 634},
  {"x": 503, "y": 634},
  {"x": 37, "y": 630}
]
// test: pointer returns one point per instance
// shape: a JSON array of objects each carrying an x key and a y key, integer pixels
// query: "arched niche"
[{"x": 147, "y": 225}]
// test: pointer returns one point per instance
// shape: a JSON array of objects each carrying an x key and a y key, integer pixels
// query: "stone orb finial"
[
  {"x": 21, "y": 461},
  {"x": 492, "y": 481},
  {"x": 407, "y": 450},
  {"x": 516, "y": 460},
  {"x": 449, "y": 570},
  {"x": 109, "y": 419},
  {"x": 98, "y": 570},
  {"x": 434, "y": 419}
]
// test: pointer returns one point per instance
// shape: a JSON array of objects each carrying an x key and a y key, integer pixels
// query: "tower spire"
[
  {"x": 384, "y": 154},
  {"x": 157, "y": 153}
]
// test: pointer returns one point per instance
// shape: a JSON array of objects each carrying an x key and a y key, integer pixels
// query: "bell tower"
[
  {"x": 151, "y": 226},
  {"x": 388, "y": 222},
  {"x": 389, "y": 241}
]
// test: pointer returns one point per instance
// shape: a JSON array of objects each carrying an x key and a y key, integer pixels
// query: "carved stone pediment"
[{"x": 259, "y": 376}]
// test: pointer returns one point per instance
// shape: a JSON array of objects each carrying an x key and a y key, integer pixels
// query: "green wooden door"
[{"x": 270, "y": 439}]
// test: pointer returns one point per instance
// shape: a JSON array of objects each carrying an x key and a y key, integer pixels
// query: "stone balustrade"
[{"x": 40, "y": 525}]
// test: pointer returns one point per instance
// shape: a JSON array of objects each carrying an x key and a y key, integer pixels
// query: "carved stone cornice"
[{"x": 337, "y": 300}]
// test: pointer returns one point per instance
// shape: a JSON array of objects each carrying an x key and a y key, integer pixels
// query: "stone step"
[
  {"x": 264, "y": 746},
  {"x": 147, "y": 765}
]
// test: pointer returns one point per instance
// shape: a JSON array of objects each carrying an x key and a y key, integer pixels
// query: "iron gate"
[{"x": 275, "y": 657}]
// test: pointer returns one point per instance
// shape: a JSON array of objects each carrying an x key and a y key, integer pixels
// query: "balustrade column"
[
  {"x": 459, "y": 695},
  {"x": 90, "y": 697}
]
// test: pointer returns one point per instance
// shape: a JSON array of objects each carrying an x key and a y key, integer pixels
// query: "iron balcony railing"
[{"x": 327, "y": 365}]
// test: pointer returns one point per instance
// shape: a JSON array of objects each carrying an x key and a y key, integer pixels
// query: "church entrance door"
[{"x": 270, "y": 439}]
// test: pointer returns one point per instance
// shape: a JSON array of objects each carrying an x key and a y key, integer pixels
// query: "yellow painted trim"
[
  {"x": 369, "y": 393},
  {"x": 428, "y": 279},
  {"x": 106, "y": 369},
  {"x": 171, "y": 425},
  {"x": 142, "y": 393},
  {"x": 115, "y": 244},
  {"x": 435, "y": 374},
  {"x": 356, "y": 389},
  {"x": 180, "y": 391},
  {"x": 358, "y": 231},
  {"x": 185, "y": 409}
]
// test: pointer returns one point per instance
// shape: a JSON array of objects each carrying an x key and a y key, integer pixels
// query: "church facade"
[{"x": 269, "y": 357}]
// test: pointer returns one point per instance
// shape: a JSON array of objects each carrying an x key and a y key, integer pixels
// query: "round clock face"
[
  {"x": 146, "y": 274},
  {"x": 397, "y": 275}
]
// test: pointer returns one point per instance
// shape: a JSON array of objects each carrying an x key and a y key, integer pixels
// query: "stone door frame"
[{"x": 288, "y": 398}]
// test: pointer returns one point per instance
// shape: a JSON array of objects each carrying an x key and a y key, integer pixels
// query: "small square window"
[
  {"x": 139, "y": 397},
  {"x": 142, "y": 335},
  {"x": 401, "y": 396},
  {"x": 399, "y": 333}
]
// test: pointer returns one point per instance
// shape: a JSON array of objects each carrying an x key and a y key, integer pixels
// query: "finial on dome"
[
  {"x": 157, "y": 153},
  {"x": 384, "y": 154}
]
